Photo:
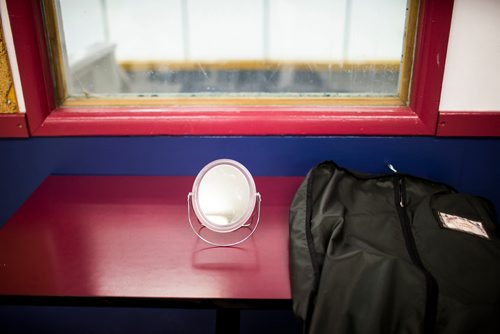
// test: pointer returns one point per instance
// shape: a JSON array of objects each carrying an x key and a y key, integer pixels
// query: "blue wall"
[{"x": 470, "y": 165}]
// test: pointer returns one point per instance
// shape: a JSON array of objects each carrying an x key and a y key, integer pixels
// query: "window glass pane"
[{"x": 127, "y": 48}]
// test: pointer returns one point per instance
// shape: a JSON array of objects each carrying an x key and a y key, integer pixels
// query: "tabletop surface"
[{"x": 128, "y": 236}]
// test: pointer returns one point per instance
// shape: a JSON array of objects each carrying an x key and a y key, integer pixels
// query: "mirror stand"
[{"x": 213, "y": 243}]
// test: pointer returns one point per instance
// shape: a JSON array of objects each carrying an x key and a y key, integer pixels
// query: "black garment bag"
[{"x": 392, "y": 254}]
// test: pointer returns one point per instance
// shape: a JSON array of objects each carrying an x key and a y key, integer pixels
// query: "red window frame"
[{"x": 46, "y": 119}]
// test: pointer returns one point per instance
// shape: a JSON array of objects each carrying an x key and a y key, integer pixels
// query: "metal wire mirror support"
[{"x": 189, "y": 198}]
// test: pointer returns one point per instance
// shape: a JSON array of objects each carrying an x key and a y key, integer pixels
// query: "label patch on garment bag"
[{"x": 462, "y": 224}]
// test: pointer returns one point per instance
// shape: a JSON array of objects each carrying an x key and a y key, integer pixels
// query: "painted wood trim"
[
  {"x": 233, "y": 121},
  {"x": 430, "y": 56},
  {"x": 13, "y": 126},
  {"x": 471, "y": 124}
]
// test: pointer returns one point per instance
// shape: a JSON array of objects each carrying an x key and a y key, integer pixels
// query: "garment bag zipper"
[{"x": 431, "y": 284}]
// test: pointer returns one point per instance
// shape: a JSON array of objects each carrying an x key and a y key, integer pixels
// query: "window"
[
  {"x": 52, "y": 111},
  {"x": 232, "y": 52}
]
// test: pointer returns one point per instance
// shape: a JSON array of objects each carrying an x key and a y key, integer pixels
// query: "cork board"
[{"x": 8, "y": 102}]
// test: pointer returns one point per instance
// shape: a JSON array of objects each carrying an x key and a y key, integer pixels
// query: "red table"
[{"x": 127, "y": 237}]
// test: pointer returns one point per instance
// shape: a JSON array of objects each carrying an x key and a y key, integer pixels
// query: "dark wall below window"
[{"x": 470, "y": 165}]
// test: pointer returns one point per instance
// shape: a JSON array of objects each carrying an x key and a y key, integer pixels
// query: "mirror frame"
[{"x": 250, "y": 206}]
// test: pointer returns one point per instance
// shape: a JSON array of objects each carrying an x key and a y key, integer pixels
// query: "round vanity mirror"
[
  {"x": 224, "y": 195},
  {"x": 223, "y": 198}
]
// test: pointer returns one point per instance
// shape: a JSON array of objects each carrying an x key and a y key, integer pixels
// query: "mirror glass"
[{"x": 224, "y": 195}]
